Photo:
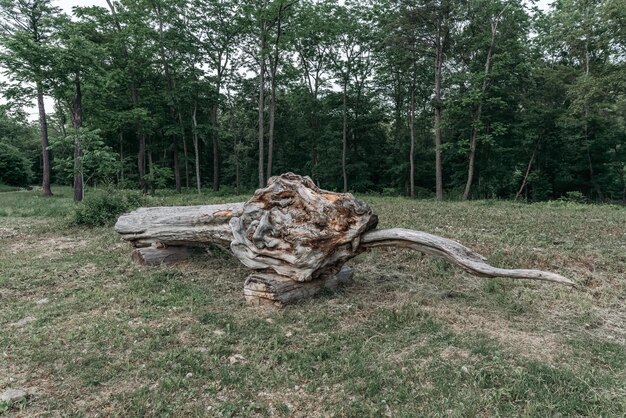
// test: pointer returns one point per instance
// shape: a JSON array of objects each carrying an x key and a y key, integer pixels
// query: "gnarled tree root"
[{"x": 454, "y": 252}]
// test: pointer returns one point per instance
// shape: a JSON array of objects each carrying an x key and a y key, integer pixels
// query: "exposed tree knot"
[{"x": 298, "y": 230}]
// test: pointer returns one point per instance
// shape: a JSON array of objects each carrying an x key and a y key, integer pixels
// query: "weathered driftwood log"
[
  {"x": 454, "y": 252},
  {"x": 295, "y": 236},
  {"x": 179, "y": 225}
]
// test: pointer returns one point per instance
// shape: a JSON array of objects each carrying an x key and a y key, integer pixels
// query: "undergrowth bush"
[
  {"x": 575, "y": 197},
  {"x": 103, "y": 207},
  {"x": 14, "y": 166}
]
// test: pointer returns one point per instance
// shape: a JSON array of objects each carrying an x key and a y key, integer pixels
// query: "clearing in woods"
[{"x": 85, "y": 331}]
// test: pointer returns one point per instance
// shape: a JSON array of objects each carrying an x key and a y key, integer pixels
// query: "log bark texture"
[
  {"x": 179, "y": 225},
  {"x": 452, "y": 251},
  {"x": 153, "y": 256}
]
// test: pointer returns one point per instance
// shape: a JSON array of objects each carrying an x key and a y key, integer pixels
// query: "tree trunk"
[
  {"x": 397, "y": 110},
  {"x": 185, "y": 153},
  {"x": 261, "y": 112},
  {"x": 530, "y": 164},
  {"x": 62, "y": 119},
  {"x": 77, "y": 123},
  {"x": 452, "y": 251},
  {"x": 477, "y": 115},
  {"x": 216, "y": 156},
  {"x": 277, "y": 232},
  {"x": 313, "y": 122},
  {"x": 412, "y": 133},
  {"x": 179, "y": 225},
  {"x": 274, "y": 71},
  {"x": 176, "y": 169},
  {"x": 235, "y": 153},
  {"x": 267, "y": 288},
  {"x": 270, "y": 143},
  {"x": 141, "y": 163},
  {"x": 121, "y": 135},
  {"x": 43, "y": 133},
  {"x": 170, "y": 88},
  {"x": 164, "y": 146},
  {"x": 472, "y": 155},
  {"x": 141, "y": 154},
  {"x": 196, "y": 147},
  {"x": 344, "y": 142},
  {"x": 151, "y": 256},
  {"x": 438, "y": 112},
  {"x": 236, "y": 170},
  {"x": 141, "y": 157},
  {"x": 314, "y": 157},
  {"x": 151, "y": 172}
]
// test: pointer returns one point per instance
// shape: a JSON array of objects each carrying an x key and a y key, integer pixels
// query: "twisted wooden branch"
[{"x": 452, "y": 251}]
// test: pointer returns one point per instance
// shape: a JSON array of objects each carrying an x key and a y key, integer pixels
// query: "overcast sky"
[{"x": 67, "y": 6}]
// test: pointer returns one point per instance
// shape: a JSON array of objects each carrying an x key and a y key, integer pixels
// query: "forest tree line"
[{"x": 445, "y": 98}]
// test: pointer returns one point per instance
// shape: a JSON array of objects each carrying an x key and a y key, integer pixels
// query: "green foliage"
[
  {"x": 103, "y": 207},
  {"x": 15, "y": 168},
  {"x": 158, "y": 177},
  {"x": 99, "y": 162},
  {"x": 538, "y": 94},
  {"x": 574, "y": 197}
]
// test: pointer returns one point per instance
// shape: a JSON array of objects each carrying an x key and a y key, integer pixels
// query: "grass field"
[{"x": 411, "y": 336}]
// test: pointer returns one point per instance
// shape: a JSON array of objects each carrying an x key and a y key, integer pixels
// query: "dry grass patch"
[
  {"x": 48, "y": 247},
  {"x": 544, "y": 347}
]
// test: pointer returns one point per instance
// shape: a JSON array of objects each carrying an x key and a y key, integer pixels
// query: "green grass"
[
  {"x": 26, "y": 204},
  {"x": 5, "y": 188},
  {"x": 412, "y": 336}
]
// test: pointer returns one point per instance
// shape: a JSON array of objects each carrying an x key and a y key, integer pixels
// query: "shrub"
[
  {"x": 575, "y": 197},
  {"x": 423, "y": 193},
  {"x": 390, "y": 191},
  {"x": 103, "y": 207},
  {"x": 99, "y": 161},
  {"x": 14, "y": 167},
  {"x": 158, "y": 177}
]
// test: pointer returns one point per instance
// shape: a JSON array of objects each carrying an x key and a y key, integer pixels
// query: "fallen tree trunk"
[
  {"x": 179, "y": 225},
  {"x": 295, "y": 236}
]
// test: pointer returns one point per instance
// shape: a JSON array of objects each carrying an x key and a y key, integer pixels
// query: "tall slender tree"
[
  {"x": 218, "y": 28},
  {"x": 26, "y": 27}
]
